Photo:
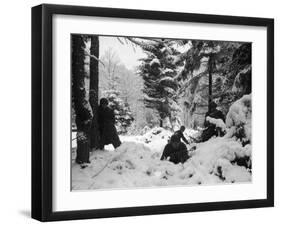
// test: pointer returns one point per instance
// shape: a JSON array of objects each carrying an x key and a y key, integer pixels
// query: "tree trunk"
[
  {"x": 94, "y": 88},
  {"x": 161, "y": 122},
  {"x": 210, "y": 69},
  {"x": 82, "y": 107}
]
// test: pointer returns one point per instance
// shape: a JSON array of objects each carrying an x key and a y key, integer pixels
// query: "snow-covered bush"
[
  {"x": 239, "y": 119},
  {"x": 123, "y": 114},
  {"x": 145, "y": 130},
  {"x": 218, "y": 122},
  {"x": 218, "y": 156}
]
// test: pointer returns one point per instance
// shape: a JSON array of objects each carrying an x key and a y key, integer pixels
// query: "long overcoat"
[
  {"x": 175, "y": 155},
  {"x": 108, "y": 132}
]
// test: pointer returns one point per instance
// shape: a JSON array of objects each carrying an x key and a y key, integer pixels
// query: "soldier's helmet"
[
  {"x": 103, "y": 102},
  {"x": 213, "y": 105}
]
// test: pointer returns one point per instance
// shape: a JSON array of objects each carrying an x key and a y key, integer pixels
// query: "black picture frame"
[{"x": 42, "y": 111}]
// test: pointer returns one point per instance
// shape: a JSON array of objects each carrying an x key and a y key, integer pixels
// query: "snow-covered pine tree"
[
  {"x": 123, "y": 114},
  {"x": 158, "y": 71}
]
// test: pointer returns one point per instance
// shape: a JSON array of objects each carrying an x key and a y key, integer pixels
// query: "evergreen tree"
[{"x": 158, "y": 72}]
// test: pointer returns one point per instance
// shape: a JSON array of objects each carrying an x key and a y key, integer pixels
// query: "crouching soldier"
[
  {"x": 211, "y": 129},
  {"x": 106, "y": 120},
  {"x": 180, "y": 135},
  {"x": 175, "y": 151}
]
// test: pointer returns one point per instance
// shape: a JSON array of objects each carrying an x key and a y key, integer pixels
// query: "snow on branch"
[
  {"x": 218, "y": 122},
  {"x": 167, "y": 79},
  {"x": 154, "y": 61},
  {"x": 144, "y": 45},
  {"x": 193, "y": 79},
  {"x": 151, "y": 99},
  {"x": 87, "y": 53}
]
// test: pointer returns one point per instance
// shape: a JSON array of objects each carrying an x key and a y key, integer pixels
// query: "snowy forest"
[{"x": 154, "y": 90}]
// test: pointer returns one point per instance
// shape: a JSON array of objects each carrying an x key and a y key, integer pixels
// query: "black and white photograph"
[{"x": 152, "y": 112}]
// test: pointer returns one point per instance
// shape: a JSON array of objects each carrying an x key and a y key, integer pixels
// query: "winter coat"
[
  {"x": 179, "y": 135},
  {"x": 108, "y": 132},
  {"x": 176, "y": 155}
]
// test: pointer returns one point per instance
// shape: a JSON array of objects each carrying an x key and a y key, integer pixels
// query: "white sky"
[{"x": 128, "y": 56}]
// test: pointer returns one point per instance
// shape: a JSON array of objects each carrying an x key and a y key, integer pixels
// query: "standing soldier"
[{"x": 106, "y": 120}]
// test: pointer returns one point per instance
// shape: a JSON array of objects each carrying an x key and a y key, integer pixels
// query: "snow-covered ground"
[{"x": 136, "y": 163}]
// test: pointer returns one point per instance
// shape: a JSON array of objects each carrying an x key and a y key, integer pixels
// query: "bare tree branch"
[{"x": 93, "y": 56}]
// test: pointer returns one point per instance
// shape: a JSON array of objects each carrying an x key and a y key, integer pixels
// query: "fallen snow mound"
[
  {"x": 240, "y": 112},
  {"x": 136, "y": 165},
  {"x": 239, "y": 117},
  {"x": 218, "y": 122}
]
